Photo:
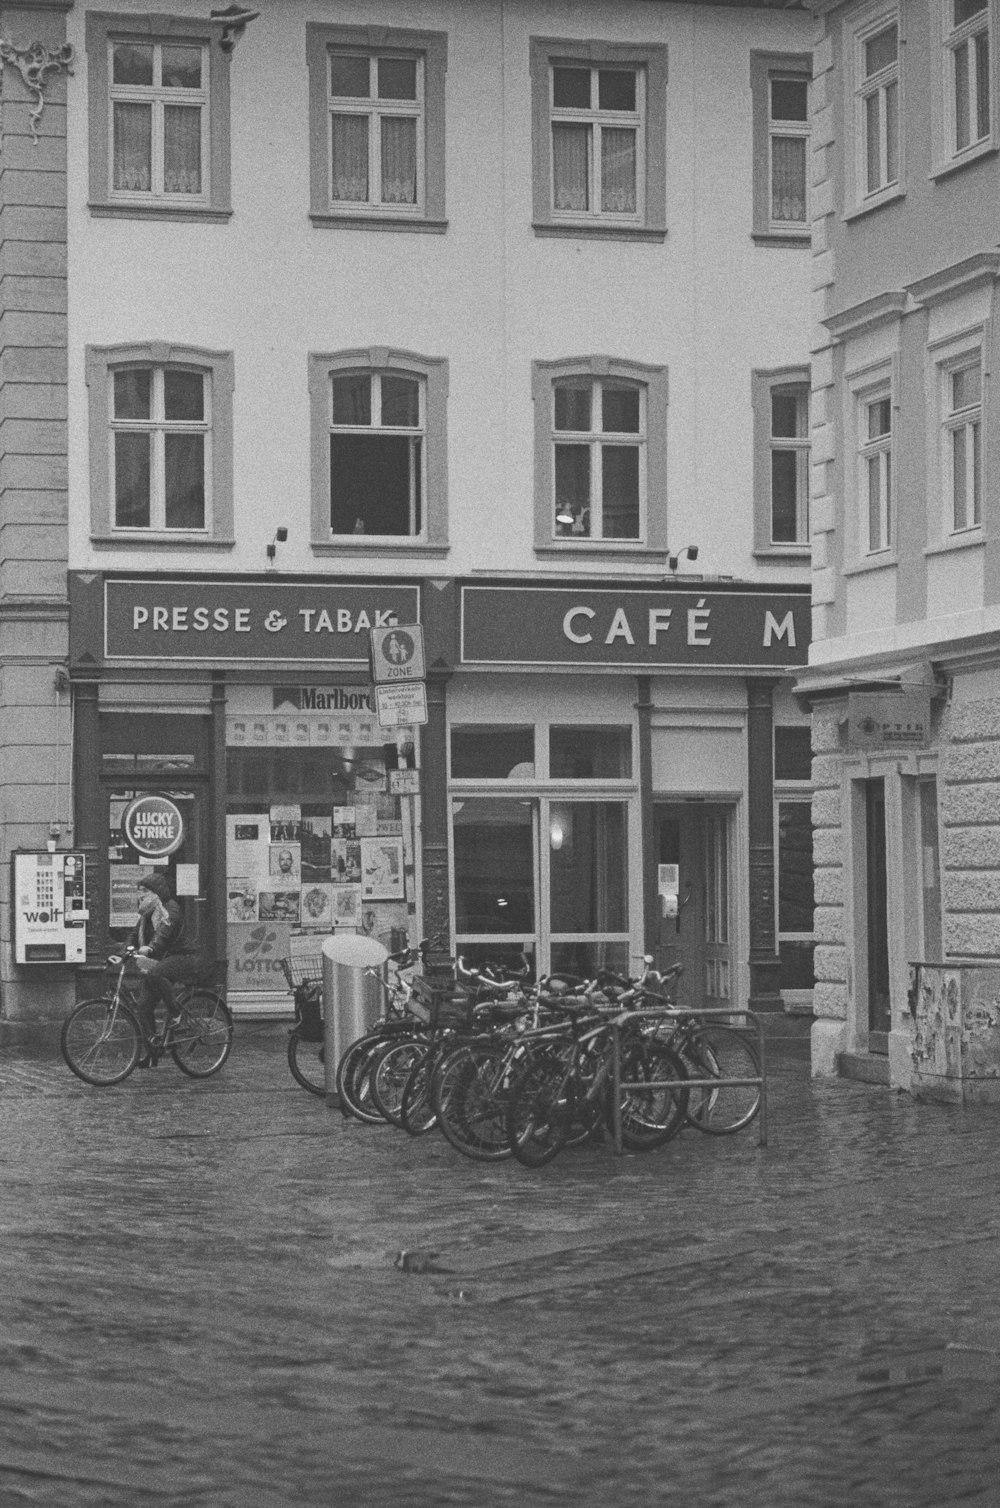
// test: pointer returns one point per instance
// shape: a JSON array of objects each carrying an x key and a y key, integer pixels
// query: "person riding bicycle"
[{"x": 159, "y": 936}]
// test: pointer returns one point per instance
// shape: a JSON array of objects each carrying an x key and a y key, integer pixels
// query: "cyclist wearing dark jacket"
[{"x": 159, "y": 936}]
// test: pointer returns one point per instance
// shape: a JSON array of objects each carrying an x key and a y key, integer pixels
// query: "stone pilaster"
[
  {"x": 970, "y": 829},
  {"x": 830, "y": 994},
  {"x": 35, "y": 726}
]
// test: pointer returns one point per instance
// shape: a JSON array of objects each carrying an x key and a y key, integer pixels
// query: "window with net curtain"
[
  {"x": 599, "y": 458},
  {"x": 160, "y": 436},
  {"x": 376, "y": 117},
  {"x": 597, "y": 120},
  {"x": 159, "y": 119},
  {"x": 377, "y": 436},
  {"x": 788, "y": 111}
]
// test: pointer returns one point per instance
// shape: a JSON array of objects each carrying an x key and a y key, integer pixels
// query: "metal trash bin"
[{"x": 352, "y": 998}]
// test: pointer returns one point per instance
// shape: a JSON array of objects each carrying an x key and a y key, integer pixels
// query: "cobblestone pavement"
[{"x": 198, "y": 1305}]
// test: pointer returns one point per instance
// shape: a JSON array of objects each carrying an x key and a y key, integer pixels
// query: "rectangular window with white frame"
[
  {"x": 967, "y": 74},
  {"x": 789, "y": 455},
  {"x": 962, "y": 414},
  {"x": 377, "y": 449},
  {"x": 160, "y": 447},
  {"x": 598, "y": 116},
  {"x": 158, "y": 127},
  {"x": 788, "y": 150},
  {"x": 599, "y": 458},
  {"x": 875, "y": 479},
  {"x": 877, "y": 107},
  {"x": 376, "y": 121}
]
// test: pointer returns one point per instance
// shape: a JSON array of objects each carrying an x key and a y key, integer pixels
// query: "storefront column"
[
  {"x": 434, "y": 825},
  {"x": 764, "y": 961},
  {"x": 650, "y": 889},
  {"x": 213, "y": 881}
]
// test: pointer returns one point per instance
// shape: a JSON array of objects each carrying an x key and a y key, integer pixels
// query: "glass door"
[
  {"x": 694, "y": 882},
  {"x": 496, "y": 879}
]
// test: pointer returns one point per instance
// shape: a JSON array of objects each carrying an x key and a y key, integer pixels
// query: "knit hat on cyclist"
[{"x": 157, "y": 884}]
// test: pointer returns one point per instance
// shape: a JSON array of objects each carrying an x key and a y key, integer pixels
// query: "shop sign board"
[
  {"x": 889, "y": 720},
  {"x": 702, "y": 626},
  {"x": 153, "y": 826},
  {"x": 203, "y": 619},
  {"x": 398, "y": 654},
  {"x": 398, "y": 706}
]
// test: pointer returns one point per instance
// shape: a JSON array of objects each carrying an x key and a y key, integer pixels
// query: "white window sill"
[
  {"x": 161, "y": 539},
  {"x": 969, "y": 539},
  {"x": 962, "y": 160},
  {"x": 800, "y": 240},
  {"x": 600, "y": 230},
  {"x": 139, "y": 210},
  {"x": 783, "y": 552},
  {"x": 886, "y": 560},
  {"x": 606, "y": 549},
  {"x": 353, "y": 544},
  {"x": 376, "y": 220},
  {"x": 876, "y": 201}
]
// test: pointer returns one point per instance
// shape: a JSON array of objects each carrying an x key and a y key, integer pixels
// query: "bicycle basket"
[{"x": 305, "y": 969}]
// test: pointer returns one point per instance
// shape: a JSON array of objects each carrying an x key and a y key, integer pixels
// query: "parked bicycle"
[{"x": 102, "y": 1040}]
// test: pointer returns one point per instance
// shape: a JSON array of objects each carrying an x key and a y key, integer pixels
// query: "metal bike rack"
[{"x": 675, "y": 1016}]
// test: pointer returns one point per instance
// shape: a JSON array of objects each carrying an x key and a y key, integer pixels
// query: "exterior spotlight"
[
  {"x": 280, "y": 535},
  {"x": 673, "y": 561}
]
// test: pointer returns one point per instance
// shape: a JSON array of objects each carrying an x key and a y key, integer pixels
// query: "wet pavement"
[{"x": 198, "y": 1304}]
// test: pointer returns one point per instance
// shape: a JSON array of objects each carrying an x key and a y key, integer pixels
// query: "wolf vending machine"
[{"x": 50, "y": 907}]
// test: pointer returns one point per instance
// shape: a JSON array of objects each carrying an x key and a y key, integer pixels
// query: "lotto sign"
[
  {"x": 398, "y": 654},
  {"x": 153, "y": 826}
]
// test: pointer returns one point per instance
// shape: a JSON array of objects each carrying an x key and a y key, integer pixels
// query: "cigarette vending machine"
[{"x": 50, "y": 907}]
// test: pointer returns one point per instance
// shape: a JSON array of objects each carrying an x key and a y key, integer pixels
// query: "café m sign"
[
  {"x": 160, "y": 619},
  {"x": 698, "y": 626}
]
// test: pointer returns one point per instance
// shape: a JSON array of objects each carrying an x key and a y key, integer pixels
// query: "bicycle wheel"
[
  {"x": 470, "y": 1092},
  {"x": 722, "y": 1052},
  {"x": 101, "y": 1042},
  {"x": 650, "y": 1116},
  {"x": 416, "y": 1108},
  {"x": 354, "y": 1087},
  {"x": 201, "y": 1041},
  {"x": 539, "y": 1114},
  {"x": 307, "y": 1062},
  {"x": 389, "y": 1074}
]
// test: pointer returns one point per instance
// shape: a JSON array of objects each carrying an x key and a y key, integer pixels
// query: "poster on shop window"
[
  {"x": 382, "y": 869},
  {"x": 317, "y": 906}
]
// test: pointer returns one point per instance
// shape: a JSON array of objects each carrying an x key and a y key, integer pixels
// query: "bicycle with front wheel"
[{"x": 102, "y": 1040}]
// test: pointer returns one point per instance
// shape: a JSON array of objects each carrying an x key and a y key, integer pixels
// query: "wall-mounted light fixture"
[
  {"x": 673, "y": 561},
  {"x": 280, "y": 535}
]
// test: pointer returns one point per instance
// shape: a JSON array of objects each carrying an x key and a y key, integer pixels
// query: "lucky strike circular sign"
[{"x": 153, "y": 826}]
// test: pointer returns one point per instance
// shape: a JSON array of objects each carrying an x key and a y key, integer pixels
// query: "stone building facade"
[{"x": 904, "y": 677}]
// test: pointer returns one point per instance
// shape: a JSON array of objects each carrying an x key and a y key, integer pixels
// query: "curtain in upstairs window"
[
  {"x": 399, "y": 160},
  {"x": 570, "y": 146},
  {"x": 788, "y": 178},
  {"x": 181, "y": 150},
  {"x": 618, "y": 172},
  {"x": 350, "y": 158},
  {"x": 133, "y": 147}
]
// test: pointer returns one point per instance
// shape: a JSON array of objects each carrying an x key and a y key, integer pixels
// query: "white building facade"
[{"x": 492, "y": 316}]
